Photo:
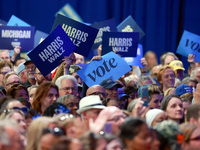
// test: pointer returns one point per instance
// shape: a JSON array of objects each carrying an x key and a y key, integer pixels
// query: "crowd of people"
[{"x": 152, "y": 108}]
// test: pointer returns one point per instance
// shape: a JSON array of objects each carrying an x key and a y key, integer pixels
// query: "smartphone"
[{"x": 145, "y": 95}]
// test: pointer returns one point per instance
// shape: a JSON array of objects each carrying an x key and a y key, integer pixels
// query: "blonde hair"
[{"x": 35, "y": 129}]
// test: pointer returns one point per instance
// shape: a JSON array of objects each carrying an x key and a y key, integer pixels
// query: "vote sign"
[
  {"x": 189, "y": 44},
  {"x": 110, "y": 66}
]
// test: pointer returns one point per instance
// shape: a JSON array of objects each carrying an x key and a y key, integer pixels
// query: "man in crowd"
[
  {"x": 111, "y": 88},
  {"x": 89, "y": 108},
  {"x": 97, "y": 90},
  {"x": 67, "y": 84},
  {"x": 29, "y": 65}
]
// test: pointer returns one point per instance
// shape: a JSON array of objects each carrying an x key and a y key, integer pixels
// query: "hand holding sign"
[
  {"x": 111, "y": 65},
  {"x": 50, "y": 52},
  {"x": 189, "y": 44}
]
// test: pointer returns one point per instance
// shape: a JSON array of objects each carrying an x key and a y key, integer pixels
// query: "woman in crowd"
[
  {"x": 46, "y": 94},
  {"x": 173, "y": 107},
  {"x": 18, "y": 91},
  {"x": 71, "y": 102},
  {"x": 135, "y": 134},
  {"x": 155, "y": 116},
  {"x": 34, "y": 133},
  {"x": 5, "y": 67}
]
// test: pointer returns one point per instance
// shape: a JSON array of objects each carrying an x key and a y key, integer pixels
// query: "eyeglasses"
[
  {"x": 69, "y": 88},
  {"x": 66, "y": 116},
  {"x": 25, "y": 110},
  {"x": 99, "y": 93},
  {"x": 55, "y": 131},
  {"x": 117, "y": 118},
  {"x": 13, "y": 83}
]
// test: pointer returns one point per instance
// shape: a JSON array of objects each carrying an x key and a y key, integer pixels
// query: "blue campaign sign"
[
  {"x": 50, "y": 52},
  {"x": 39, "y": 37},
  {"x": 129, "y": 25},
  {"x": 189, "y": 44},
  {"x": 81, "y": 35},
  {"x": 124, "y": 43},
  {"x": 136, "y": 61},
  {"x": 15, "y": 21},
  {"x": 3, "y": 23},
  {"x": 110, "y": 66},
  {"x": 68, "y": 11},
  {"x": 104, "y": 26},
  {"x": 12, "y": 36}
]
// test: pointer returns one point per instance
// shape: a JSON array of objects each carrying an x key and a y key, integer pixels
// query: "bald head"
[{"x": 96, "y": 90}]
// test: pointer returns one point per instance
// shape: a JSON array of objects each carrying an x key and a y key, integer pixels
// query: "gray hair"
[
  {"x": 186, "y": 80},
  {"x": 162, "y": 59},
  {"x": 59, "y": 80},
  {"x": 131, "y": 105},
  {"x": 64, "y": 99},
  {"x": 194, "y": 72},
  {"x": 143, "y": 78},
  {"x": 129, "y": 79}
]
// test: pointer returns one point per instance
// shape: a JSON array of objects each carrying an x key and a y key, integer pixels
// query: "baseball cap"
[
  {"x": 20, "y": 68},
  {"x": 176, "y": 65},
  {"x": 182, "y": 89},
  {"x": 27, "y": 61},
  {"x": 109, "y": 83}
]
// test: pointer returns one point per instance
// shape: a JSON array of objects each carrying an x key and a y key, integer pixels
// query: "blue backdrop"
[{"x": 163, "y": 21}]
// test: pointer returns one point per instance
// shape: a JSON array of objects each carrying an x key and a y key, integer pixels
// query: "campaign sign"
[
  {"x": 129, "y": 25},
  {"x": 189, "y": 44},
  {"x": 39, "y": 36},
  {"x": 81, "y": 35},
  {"x": 15, "y": 21},
  {"x": 3, "y": 23},
  {"x": 111, "y": 65},
  {"x": 68, "y": 11},
  {"x": 135, "y": 61},
  {"x": 50, "y": 52},
  {"x": 124, "y": 43},
  {"x": 12, "y": 36},
  {"x": 104, "y": 26}
]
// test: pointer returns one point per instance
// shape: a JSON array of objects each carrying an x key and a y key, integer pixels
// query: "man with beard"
[
  {"x": 29, "y": 65},
  {"x": 39, "y": 77}
]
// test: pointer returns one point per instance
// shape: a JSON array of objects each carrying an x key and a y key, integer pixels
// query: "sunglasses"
[
  {"x": 55, "y": 131},
  {"x": 66, "y": 116}
]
